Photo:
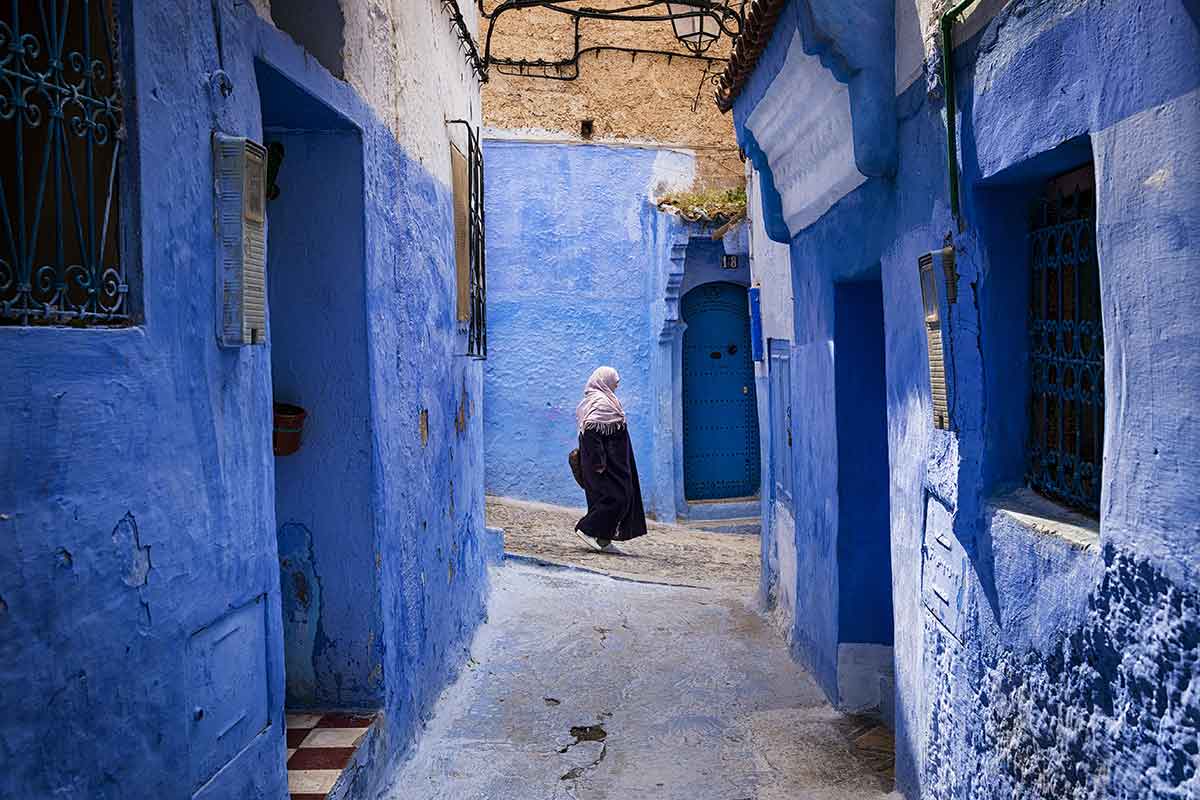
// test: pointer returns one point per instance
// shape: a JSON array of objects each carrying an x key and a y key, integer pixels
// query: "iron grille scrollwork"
[
  {"x": 61, "y": 133},
  {"x": 1066, "y": 346}
]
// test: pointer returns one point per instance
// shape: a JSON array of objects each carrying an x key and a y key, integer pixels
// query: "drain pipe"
[{"x": 947, "y": 31}]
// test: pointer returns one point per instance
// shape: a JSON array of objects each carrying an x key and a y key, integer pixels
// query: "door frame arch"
[{"x": 682, "y": 276}]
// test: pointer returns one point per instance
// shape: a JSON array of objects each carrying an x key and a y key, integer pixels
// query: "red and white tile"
[{"x": 319, "y": 746}]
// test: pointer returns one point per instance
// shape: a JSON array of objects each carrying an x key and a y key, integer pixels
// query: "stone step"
[
  {"x": 741, "y": 525},
  {"x": 733, "y": 508}
]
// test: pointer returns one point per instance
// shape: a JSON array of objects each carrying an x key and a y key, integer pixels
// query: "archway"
[{"x": 720, "y": 418}]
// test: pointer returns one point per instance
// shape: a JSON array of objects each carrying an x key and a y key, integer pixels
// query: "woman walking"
[{"x": 607, "y": 469}]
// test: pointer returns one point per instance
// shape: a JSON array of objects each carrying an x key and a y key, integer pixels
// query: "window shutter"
[
  {"x": 460, "y": 177},
  {"x": 935, "y": 339}
]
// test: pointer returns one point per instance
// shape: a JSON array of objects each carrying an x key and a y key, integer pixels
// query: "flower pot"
[{"x": 289, "y": 424}]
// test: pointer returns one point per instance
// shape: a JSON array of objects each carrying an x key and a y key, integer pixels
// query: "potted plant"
[{"x": 289, "y": 425}]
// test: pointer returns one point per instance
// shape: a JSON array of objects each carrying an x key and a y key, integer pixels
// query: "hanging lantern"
[{"x": 696, "y": 27}]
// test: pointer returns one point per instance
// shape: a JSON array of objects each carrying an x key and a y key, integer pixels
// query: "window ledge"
[{"x": 1032, "y": 511}]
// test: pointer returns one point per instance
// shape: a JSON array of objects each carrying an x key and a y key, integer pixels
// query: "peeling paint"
[
  {"x": 132, "y": 552},
  {"x": 1158, "y": 179},
  {"x": 157, "y": 422},
  {"x": 64, "y": 559},
  {"x": 1070, "y": 668}
]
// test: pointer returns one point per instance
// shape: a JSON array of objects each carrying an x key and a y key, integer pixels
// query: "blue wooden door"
[{"x": 720, "y": 418}]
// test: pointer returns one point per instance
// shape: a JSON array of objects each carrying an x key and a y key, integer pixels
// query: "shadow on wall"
[
  {"x": 865, "y": 624},
  {"x": 319, "y": 348}
]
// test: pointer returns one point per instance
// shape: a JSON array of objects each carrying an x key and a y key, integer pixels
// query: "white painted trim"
[{"x": 803, "y": 126}]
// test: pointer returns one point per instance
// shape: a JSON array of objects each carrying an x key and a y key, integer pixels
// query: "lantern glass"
[{"x": 697, "y": 30}]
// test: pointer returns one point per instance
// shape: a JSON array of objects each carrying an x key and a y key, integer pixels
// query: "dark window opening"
[
  {"x": 471, "y": 306},
  {"x": 586, "y": 128},
  {"x": 1066, "y": 345},
  {"x": 62, "y": 244}
]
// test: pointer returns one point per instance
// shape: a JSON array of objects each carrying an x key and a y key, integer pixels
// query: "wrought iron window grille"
[
  {"x": 475, "y": 316},
  {"x": 1066, "y": 345},
  {"x": 62, "y": 126}
]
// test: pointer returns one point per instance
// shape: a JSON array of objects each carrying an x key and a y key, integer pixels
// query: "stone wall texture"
[{"x": 643, "y": 98}]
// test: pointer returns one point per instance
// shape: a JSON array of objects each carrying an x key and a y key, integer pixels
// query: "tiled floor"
[{"x": 319, "y": 748}]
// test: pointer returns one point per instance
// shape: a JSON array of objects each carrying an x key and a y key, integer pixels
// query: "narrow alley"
[{"x": 582, "y": 686}]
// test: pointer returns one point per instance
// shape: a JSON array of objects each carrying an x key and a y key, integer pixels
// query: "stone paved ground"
[
  {"x": 668, "y": 553},
  {"x": 584, "y": 687}
]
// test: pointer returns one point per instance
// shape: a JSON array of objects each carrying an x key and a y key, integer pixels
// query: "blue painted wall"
[
  {"x": 1065, "y": 670},
  {"x": 573, "y": 244},
  {"x": 584, "y": 270},
  {"x": 704, "y": 265},
  {"x": 138, "y": 484}
]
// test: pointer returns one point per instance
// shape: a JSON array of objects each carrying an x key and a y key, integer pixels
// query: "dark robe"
[{"x": 610, "y": 481}]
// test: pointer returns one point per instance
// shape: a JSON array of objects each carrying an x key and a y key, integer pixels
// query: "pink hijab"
[{"x": 600, "y": 410}]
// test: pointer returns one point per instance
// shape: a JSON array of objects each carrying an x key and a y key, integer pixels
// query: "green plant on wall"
[{"x": 710, "y": 205}]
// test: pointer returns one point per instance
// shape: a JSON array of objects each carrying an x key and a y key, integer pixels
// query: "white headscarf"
[{"x": 600, "y": 410}]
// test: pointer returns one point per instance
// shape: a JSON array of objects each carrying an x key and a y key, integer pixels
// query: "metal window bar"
[
  {"x": 477, "y": 274},
  {"x": 62, "y": 126},
  {"x": 1066, "y": 345}
]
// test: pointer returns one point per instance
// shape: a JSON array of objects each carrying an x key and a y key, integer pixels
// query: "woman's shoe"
[{"x": 589, "y": 541}]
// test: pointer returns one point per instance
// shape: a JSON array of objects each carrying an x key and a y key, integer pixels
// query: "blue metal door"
[{"x": 720, "y": 418}]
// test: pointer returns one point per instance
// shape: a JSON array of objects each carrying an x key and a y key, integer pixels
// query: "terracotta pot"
[{"x": 289, "y": 424}]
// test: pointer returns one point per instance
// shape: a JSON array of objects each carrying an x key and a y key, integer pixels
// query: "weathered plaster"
[
  {"x": 403, "y": 59},
  {"x": 151, "y": 440},
  {"x": 813, "y": 171},
  {"x": 573, "y": 243},
  {"x": 1059, "y": 671},
  {"x": 770, "y": 268}
]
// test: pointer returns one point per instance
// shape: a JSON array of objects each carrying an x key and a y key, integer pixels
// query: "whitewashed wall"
[
  {"x": 803, "y": 126},
  {"x": 770, "y": 269}
]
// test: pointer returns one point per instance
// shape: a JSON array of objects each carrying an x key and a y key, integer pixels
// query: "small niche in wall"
[
  {"x": 586, "y": 128},
  {"x": 318, "y": 26}
]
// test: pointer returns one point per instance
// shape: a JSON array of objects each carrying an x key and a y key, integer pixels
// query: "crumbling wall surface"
[
  {"x": 628, "y": 98},
  {"x": 1118, "y": 691},
  {"x": 1062, "y": 669},
  {"x": 136, "y": 473}
]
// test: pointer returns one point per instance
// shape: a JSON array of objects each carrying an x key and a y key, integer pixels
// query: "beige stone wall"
[{"x": 642, "y": 99}]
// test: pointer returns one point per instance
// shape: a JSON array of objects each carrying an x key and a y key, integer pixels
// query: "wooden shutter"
[{"x": 461, "y": 179}]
